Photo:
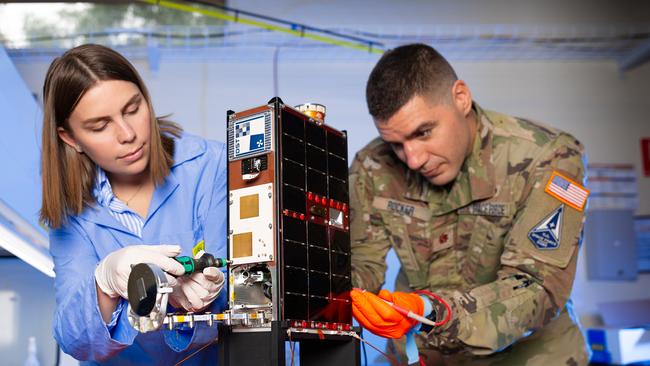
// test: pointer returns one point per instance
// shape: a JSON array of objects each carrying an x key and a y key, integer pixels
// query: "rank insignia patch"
[{"x": 546, "y": 234}]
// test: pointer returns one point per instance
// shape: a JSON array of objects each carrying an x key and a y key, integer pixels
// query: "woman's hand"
[
  {"x": 112, "y": 273},
  {"x": 196, "y": 292}
]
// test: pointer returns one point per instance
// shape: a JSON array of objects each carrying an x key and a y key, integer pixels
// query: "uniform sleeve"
[
  {"x": 535, "y": 278},
  {"x": 78, "y": 325},
  {"x": 369, "y": 241},
  {"x": 214, "y": 224}
]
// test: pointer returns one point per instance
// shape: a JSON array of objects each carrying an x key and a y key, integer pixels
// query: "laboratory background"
[{"x": 581, "y": 66}]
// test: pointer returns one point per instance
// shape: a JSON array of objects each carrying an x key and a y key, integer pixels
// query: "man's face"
[
  {"x": 432, "y": 139},
  {"x": 111, "y": 124}
]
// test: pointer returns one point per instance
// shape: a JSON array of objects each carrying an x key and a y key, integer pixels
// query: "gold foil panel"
[
  {"x": 249, "y": 206},
  {"x": 242, "y": 245}
]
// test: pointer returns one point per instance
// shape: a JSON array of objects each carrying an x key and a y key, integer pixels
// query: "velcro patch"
[
  {"x": 567, "y": 191},
  {"x": 401, "y": 208},
  {"x": 542, "y": 232}
]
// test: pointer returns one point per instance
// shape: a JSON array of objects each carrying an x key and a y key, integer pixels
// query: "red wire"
[
  {"x": 421, "y": 361},
  {"x": 443, "y": 302}
]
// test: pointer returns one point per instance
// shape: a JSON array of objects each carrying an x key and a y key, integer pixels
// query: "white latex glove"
[
  {"x": 196, "y": 292},
  {"x": 112, "y": 273}
]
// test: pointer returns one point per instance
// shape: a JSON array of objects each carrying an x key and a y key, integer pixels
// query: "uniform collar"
[
  {"x": 185, "y": 148},
  {"x": 474, "y": 182}
]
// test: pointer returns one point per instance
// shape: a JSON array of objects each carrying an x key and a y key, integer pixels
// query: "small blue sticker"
[{"x": 546, "y": 234}]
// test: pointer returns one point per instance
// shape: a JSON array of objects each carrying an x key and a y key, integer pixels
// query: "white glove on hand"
[
  {"x": 112, "y": 273},
  {"x": 196, "y": 292}
]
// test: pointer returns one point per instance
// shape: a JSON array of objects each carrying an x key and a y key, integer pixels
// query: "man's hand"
[
  {"x": 376, "y": 314},
  {"x": 196, "y": 292},
  {"x": 112, "y": 273}
]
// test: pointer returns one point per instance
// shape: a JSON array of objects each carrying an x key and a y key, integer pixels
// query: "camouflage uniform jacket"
[{"x": 471, "y": 243}]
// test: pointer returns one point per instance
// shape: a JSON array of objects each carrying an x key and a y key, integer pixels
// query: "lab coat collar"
[{"x": 189, "y": 148}]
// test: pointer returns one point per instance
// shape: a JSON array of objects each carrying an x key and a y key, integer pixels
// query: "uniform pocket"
[
  {"x": 484, "y": 248},
  {"x": 400, "y": 238}
]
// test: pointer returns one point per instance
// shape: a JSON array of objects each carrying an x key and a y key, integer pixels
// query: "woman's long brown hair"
[{"x": 68, "y": 177}]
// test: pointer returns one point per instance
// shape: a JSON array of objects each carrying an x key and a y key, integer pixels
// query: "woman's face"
[{"x": 111, "y": 124}]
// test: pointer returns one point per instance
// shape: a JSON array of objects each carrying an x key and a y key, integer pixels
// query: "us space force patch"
[
  {"x": 546, "y": 234},
  {"x": 567, "y": 191}
]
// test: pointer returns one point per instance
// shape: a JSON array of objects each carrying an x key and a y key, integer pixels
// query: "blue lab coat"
[{"x": 189, "y": 206}]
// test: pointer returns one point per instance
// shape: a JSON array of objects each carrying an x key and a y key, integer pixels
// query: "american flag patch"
[{"x": 567, "y": 191}]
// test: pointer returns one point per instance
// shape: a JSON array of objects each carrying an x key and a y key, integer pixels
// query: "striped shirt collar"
[
  {"x": 104, "y": 195},
  {"x": 116, "y": 208}
]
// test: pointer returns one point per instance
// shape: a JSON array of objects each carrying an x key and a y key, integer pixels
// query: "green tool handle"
[{"x": 197, "y": 265}]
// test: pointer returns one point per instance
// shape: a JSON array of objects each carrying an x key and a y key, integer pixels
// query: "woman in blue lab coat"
[{"x": 122, "y": 187}]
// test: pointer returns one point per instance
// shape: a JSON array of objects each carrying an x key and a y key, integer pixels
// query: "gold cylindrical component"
[{"x": 313, "y": 110}]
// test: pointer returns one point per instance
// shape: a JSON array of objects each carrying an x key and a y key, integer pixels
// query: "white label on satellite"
[{"x": 249, "y": 135}]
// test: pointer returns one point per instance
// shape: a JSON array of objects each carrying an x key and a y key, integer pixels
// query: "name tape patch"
[
  {"x": 486, "y": 209},
  {"x": 401, "y": 208}
]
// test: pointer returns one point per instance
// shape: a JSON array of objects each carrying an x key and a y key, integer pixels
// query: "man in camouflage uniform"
[{"x": 469, "y": 201}]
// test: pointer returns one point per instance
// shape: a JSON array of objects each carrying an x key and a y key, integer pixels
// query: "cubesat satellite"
[{"x": 288, "y": 243}]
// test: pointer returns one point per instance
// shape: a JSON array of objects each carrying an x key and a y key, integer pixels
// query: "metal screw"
[
  {"x": 270, "y": 257},
  {"x": 270, "y": 226}
]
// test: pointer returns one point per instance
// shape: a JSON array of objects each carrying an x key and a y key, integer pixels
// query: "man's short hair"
[{"x": 402, "y": 73}]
